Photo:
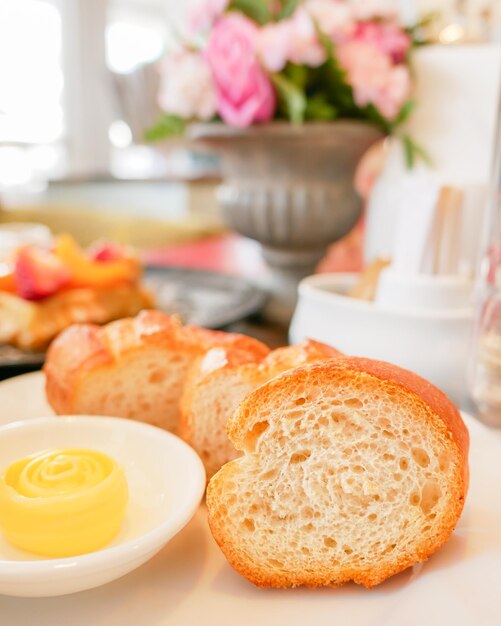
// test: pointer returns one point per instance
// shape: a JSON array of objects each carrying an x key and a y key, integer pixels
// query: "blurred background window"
[
  {"x": 44, "y": 94},
  {"x": 135, "y": 36},
  {"x": 32, "y": 124}
]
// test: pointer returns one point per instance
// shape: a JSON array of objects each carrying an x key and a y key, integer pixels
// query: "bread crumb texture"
[
  {"x": 219, "y": 381},
  {"x": 352, "y": 470}
]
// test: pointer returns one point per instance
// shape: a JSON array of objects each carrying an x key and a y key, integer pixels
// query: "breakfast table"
[{"x": 189, "y": 581}]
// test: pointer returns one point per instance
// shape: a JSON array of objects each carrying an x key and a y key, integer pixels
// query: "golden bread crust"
[
  {"x": 78, "y": 349},
  {"x": 83, "y": 349},
  {"x": 306, "y": 351},
  {"x": 440, "y": 416},
  {"x": 289, "y": 357}
]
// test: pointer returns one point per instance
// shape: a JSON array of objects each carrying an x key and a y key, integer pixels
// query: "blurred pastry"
[{"x": 45, "y": 290}]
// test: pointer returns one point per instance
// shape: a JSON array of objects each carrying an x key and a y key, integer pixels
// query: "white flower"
[
  {"x": 186, "y": 86},
  {"x": 334, "y": 18},
  {"x": 294, "y": 39},
  {"x": 370, "y": 9}
]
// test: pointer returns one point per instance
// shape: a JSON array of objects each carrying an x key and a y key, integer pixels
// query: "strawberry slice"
[
  {"x": 107, "y": 251},
  {"x": 38, "y": 273}
]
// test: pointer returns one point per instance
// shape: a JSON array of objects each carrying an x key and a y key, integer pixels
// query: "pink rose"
[
  {"x": 387, "y": 38},
  {"x": 294, "y": 39},
  {"x": 395, "y": 92},
  {"x": 374, "y": 78},
  {"x": 244, "y": 92},
  {"x": 305, "y": 48},
  {"x": 273, "y": 45}
]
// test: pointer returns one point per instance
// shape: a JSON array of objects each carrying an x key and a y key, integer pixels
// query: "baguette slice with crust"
[
  {"x": 353, "y": 469},
  {"x": 219, "y": 381},
  {"x": 132, "y": 368}
]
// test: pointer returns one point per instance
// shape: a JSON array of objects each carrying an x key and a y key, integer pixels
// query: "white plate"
[
  {"x": 166, "y": 481},
  {"x": 189, "y": 581}
]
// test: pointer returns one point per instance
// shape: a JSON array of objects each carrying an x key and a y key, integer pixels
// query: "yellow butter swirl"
[{"x": 60, "y": 503}]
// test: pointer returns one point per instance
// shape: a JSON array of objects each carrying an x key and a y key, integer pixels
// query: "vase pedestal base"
[{"x": 286, "y": 268}]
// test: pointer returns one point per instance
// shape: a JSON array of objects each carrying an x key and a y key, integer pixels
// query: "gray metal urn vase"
[{"x": 291, "y": 189}]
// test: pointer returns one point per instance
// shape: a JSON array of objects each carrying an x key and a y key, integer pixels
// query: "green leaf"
[
  {"x": 318, "y": 108},
  {"x": 332, "y": 80},
  {"x": 288, "y": 8},
  {"x": 410, "y": 155},
  {"x": 298, "y": 74},
  {"x": 257, "y": 10},
  {"x": 422, "y": 153},
  {"x": 413, "y": 152},
  {"x": 167, "y": 126},
  {"x": 291, "y": 97},
  {"x": 373, "y": 115},
  {"x": 325, "y": 41},
  {"x": 403, "y": 114}
]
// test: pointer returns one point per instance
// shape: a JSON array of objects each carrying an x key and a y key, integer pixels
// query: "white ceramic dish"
[
  {"x": 434, "y": 344},
  {"x": 189, "y": 582},
  {"x": 166, "y": 482}
]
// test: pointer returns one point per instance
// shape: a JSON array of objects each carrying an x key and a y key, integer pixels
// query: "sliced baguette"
[
  {"x": 219, "y": 381},
  {"x": 132, "y": 368},
  {"x": 353, "y": 469}
]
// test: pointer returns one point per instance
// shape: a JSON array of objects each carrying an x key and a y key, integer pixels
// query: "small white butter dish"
[{"x": 166, "y": 481}]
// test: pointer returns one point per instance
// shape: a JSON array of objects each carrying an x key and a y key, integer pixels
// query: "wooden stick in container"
[
  {"x": 366, "y": 285},
  {"x": 447, "y": 231}
]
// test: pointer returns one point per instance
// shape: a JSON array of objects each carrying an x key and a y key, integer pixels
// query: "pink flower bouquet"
[{"x": 252, "y": 61}]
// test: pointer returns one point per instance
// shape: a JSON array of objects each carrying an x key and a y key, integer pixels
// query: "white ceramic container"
[
  {"x": 424, "y": 292},
  {"x": 434, "y": 343}
]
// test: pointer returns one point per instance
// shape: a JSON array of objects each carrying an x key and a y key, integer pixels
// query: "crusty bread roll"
[
  {"x": 216, "y": 384},
  {"x": 132, "y": 368},
  {"x": 353, "y": 469}
]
